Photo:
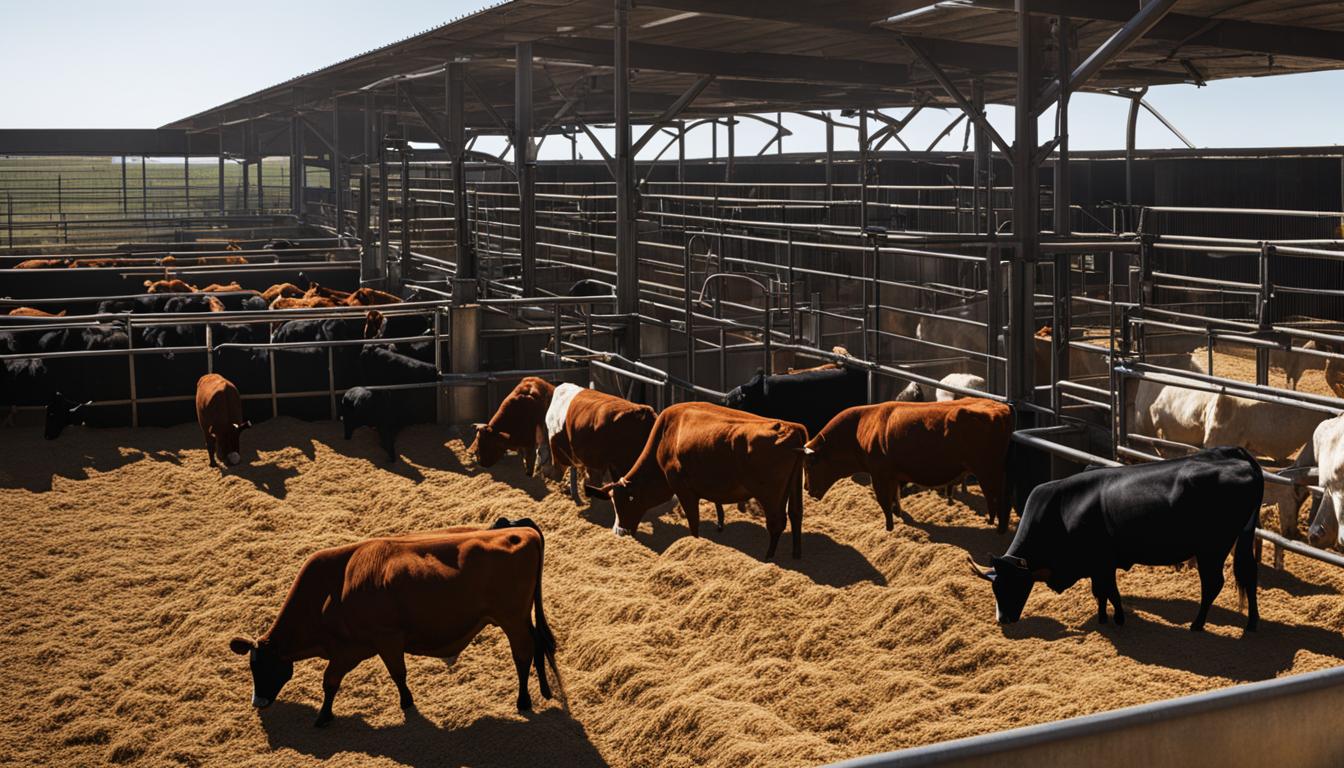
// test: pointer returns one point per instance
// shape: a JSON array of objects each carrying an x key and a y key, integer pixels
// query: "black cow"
[
  {"x": 187, "y": 302},
  {"x": 279, "y": 244},
  {"x": 380, "y": 365},
  {"x": 377, "y": 408},
  {"x": 1163, "y": 513},
  {"x": 590, "y": 287},
  {"x": 810, "y": 398},
  {"x": 61, "y": 413},
  {"x": 146, "y": 304}
]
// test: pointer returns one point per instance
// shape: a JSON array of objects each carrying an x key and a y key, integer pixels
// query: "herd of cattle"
[
  {"x": 780, "y": 436},
  {"x": 775, "y": 439},
  {"x": 68, "y": 386}
]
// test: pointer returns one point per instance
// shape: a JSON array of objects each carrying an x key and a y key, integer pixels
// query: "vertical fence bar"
[
  {"x": 186, "y": 176},
  {"x": 275, "y": 404},
  {"x": 124, "y": 209},
  {"x": 144, "y": 188},
  {"x": 130, "y": 367}
]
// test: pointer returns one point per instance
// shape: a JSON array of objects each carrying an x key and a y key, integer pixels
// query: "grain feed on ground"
[{"x": 130, "y": 563}]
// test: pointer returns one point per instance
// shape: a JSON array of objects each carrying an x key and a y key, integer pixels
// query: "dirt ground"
[{"x": 130, "y": 563}]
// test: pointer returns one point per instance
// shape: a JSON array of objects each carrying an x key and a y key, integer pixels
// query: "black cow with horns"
[{"x": 1164, "y": 513}]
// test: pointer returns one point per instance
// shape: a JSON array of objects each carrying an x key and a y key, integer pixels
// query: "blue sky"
[{"x": 142, "y": 63}]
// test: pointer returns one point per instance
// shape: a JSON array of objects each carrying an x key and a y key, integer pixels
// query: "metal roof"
[{"x": 786, "y": 55}]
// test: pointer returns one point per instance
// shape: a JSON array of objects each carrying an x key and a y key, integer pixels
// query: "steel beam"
[
  {"x": 464, "y": 284},
  {"x": 525, "y": 165},
  {"x": 1061, "y": 325},
  {"x": 950, "y": 87},
  {"x": 1026, "y": 209},
  {"x": 627, "y": 204},
  {"x": 1143, "y": 21}
]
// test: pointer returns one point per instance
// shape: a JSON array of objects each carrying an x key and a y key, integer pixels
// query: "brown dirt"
[
  {"x": 130, "y": 564},
  {"x": 1241, "y": 366}
]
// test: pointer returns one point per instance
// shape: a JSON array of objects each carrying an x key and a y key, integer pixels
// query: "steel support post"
[
  {"x": 524, "y": 163},
  {"x": 464, "y": 284},
  {"x": 830, "y": 170},
  {"x": 144, "y": 187},
  {"x": 125, "y": 210},
  {"x": 980, "y": 167},
  {"x": 220, "y": 179},
  {"x": 186, "y": 175},
  {"x": 1026, "y": 208},
  {"x": 1131, "y": 131},
  {"x": 302, "y": 169},
  {"x": 337, "y": 184},
  {"x": 261, "y": 166},
  {"x": 397, "y": 267},
  {"x": 380, "y": 264},
  {"x": 464, "y": 356},
  {"x": 627, "y": 205},
  {"x": 732, "y": 149},
  {"x": 1265, "y": 315},
  {"x": 1062, "y": 313}
]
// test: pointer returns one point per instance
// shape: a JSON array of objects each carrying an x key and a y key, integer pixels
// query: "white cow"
[
  {"x": 1328, "y": 443},
  {"x": 917, "y": 393}
]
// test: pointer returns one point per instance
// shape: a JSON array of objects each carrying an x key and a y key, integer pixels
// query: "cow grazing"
[
  {"x": 702, "y": 451},
  {"x": 519, "y": 424},
  {"x": 167, "y": 286},
  {"x": 810, "y": 398},
  {"x": 1164, "y": 513},
  {"x": 593, "y": 431},
  {"x": 368, "y": 297},
  {"x": 377, "y": 408},
  {"x": 219, "y": 411},
  {"x": 930, "y": 444},
  {"x": 31, "y": 312},
  {"x": 1327, "y": 527},
  {"x": 427, "y": 594}
]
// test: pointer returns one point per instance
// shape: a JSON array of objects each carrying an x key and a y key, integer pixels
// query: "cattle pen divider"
[{"x": 1251, "y": 724}]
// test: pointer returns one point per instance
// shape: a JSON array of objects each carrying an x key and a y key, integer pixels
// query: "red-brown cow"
[
  {"x": 219, "y": 410},
  {"x": 315, "y": 302},
  {"x": 32, "y": 312},
  {"x": 286, "y": 290},
  {"x": 335, "y": 295},
  {"x": 518, "y": 425},
  {"x": 703, "y": 451},
  {"x": 593, "y": 431},
  {"x": 222, "y": 287},
  {"x": 168, "y": 286},
  {"x": 929, "y": 444},
  {"x": 368, "y": 297},
  {"x": 41, "y": 264},
  {"x": 427, "y": 594}
]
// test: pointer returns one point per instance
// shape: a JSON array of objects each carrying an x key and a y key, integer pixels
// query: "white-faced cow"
[
  {"x": 427, "y": 594},
  {"x": 1164, "y": 513}
]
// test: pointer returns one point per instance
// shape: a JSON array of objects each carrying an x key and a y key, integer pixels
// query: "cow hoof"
[
  {"x": 1251, "y": 625},
  {"x": 1196, "y": 627},
  {"x": 323, "y": 720},
  {"x": 524, "y": 705}
]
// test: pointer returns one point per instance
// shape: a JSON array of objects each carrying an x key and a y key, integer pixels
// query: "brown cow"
[
  {"x": 518, "y": 425},
  {"x": 215, "y": 304},
  {"x": 315, "y": 290},
  {"x": 929, "y": 444},
  {"x": 286, "y": 290},
  {"x": 168, "y": 286},
  {"x": 31, "y": 312},
  {"x": 594, "y": 431},
  {"x": 41, "y": 264},
  {"x": 703, "y": 451},
  {"x": 427, "y": 594},
  {"x": 368, "y": 297},
  {"x": 219, "y": 411},
  {"x": 307, "y": 303},
  {"x": 222, "y": 287}
]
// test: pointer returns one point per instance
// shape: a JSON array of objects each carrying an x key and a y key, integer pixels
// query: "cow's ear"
[{"x": 241, "y": 645}]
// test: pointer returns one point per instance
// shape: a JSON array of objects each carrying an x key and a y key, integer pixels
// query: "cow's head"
[
  {"x": 373, "y": 324},
  {"x": 819, "y": 469},
  {"x": 626, "y": 500},
  {"x": 269, "y": 671},
  {"x": 913, "y": 393},
  {"x": 1325, "y": 525},
  {"x": 748, "y": 397},
  {"x": 351, "y": 407},
  {"x": 490, "y": 444},
  {"x": 1012, "y": 579},
  {"x": 227, "y": 440},
  {"x": 61, "y": 412}
]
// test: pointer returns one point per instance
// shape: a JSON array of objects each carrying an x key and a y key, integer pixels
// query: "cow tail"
[
  {"x": 544, "y": 640},
  {"x": 796, "y": 506}
]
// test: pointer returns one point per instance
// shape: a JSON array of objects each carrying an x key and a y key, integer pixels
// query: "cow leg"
[
  {"x": 395, "y": 660},
  {"x": 574, "y": 484},
  {"x": 774, "y": 525},
  {"x": 210, "y": 448},
  {"x": 690, "y": 506},
  {"x": 1210, "y": 584},
  {"x": 523, "y": 645},
  {"x": 718, "y": 512},
  {"x": 529, "y": 460},
  {"x": 1100, "y": 591},
  {"x": 888, "y": 498},
  {"x": 336, "y": 671}
]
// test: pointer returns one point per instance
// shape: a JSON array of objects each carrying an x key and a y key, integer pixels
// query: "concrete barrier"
[{"x": 1289, "y": 721}]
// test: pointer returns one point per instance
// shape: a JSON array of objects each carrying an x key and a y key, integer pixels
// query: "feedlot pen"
[{"x": 1067, "y": 281}]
